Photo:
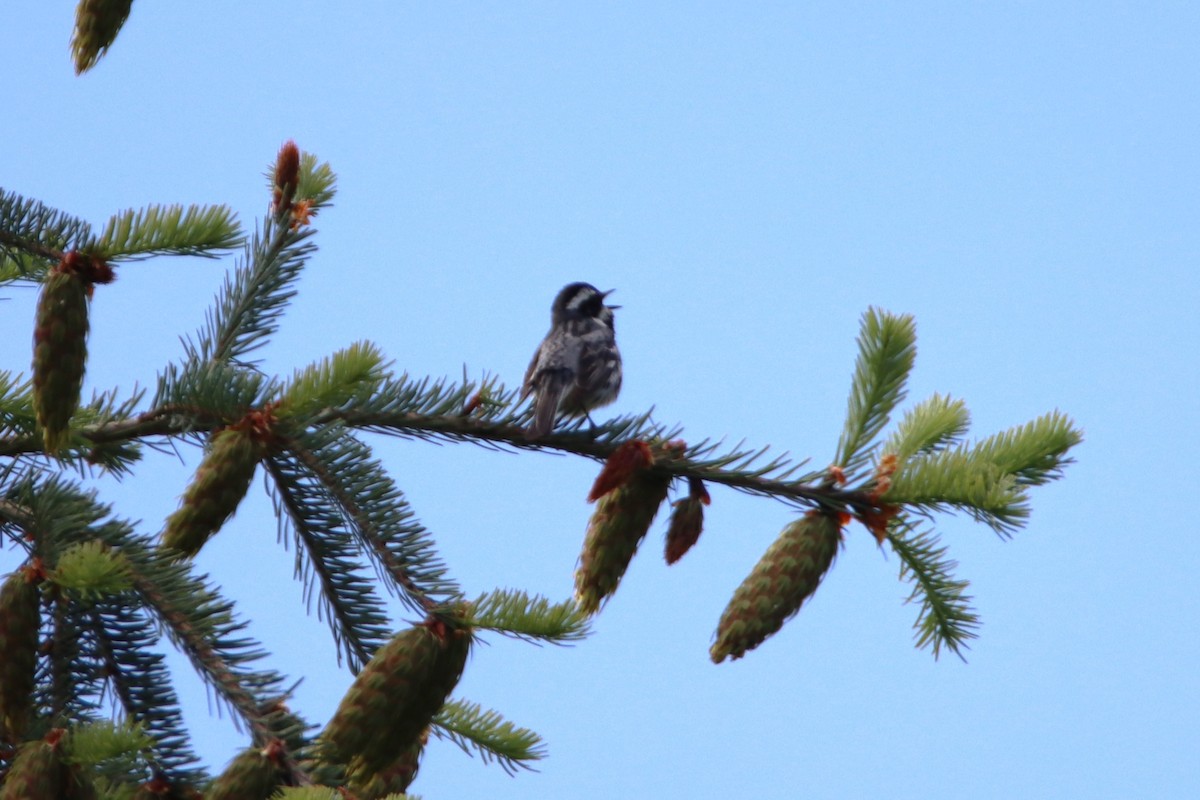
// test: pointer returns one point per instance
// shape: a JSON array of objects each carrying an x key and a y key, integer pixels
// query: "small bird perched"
[{"x": 577, "y": 367}]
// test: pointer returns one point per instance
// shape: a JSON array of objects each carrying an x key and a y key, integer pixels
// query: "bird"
[{"x": 577, "y": 367}]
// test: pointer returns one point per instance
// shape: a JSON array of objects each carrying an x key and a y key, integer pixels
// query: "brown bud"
[
  {"x": 286, "y": 179},
  {"x": 623, "y": 463}
]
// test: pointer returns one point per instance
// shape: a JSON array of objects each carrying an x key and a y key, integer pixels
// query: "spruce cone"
[
  {"x": 59, "y": 353},
  {"x": 617, "y": 527},
  {"x": 96, "y": 25},
  {"x": 786, "y": 575},
  {"x": 19, "y": 622},
  {"x": 255, "y": 774},
  {"x": 394, "y": 697},
  {"x": 221, "y": 482},
  {"x": 395, "y": 778},
  {"x": 39, "y": 772}
]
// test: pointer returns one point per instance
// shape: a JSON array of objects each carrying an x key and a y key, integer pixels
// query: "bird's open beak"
[{"x": 604, "y": 296}]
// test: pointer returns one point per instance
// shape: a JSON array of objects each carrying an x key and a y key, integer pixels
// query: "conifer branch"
[
  {"x": 117, "y": 753},
  {"x": 168, "y": 230},
  {"x": 124, "y": 640},
  {"x": 36, "y": 229},
  {"x": 89, "y": 571},
  {"x": 325, "y": 549},
  {"x": 34, "y": 236},
  {"x": 16, "y": 406},
  {"x": 932, "y": 424},
  {"x": 201, "y": 395},
  {"x": 202, "y": 626},
  {"x": 534, "y": 619},
  {"x": 946, "y": 618},
  {"x": 345, "y": 379},
  {"x": 963, "y": 480},
  {"x": 249, "y": 305},
  {"x": 73, "y": 687},
  {"x": 378, "y": 515},
  {"x": 887, "y": 350},
  {"x": 1034, "y": 453},
  {"x": 198, "y": 621},
  {"x": 487, "y": 733}
]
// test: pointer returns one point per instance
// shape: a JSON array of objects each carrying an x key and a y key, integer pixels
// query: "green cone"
[
  {"x": 19, "y": 621},
  {"x": 786, "y": 575},
  {"x": 96, "y": 25},
  {"x": 254, "y": 774},
  {"x": 59, "y": 354},
  {"x": 394, "y": 697},
  {"x": 614, "y": 532},
  {"x": 39, "y": 772},
  {"x": 395, "y": 778},
  {"x": 219, "y": 485}
]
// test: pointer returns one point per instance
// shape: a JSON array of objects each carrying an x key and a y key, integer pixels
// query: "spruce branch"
[
  {"x": 200, "y": 623},
  {"x": 199, "y": 396},
  {"x": 249, "y": 305},
  {"x": 487, "y": 733},
  {"x": 887, "y": 349},
  {"x": 90, "y": 571},
  {"x": 203, "y": 627},
  {"x": 963, "y": 480},
  {"x": 534, "y": 619},
  {"x": 946, "y": 618},
  {"x": 125, "y": 639},
  {"x": 343, "y": 379},
  {"x": 1034, "y": 453},
  {"x": 16, "y": 405},
  {"x": 34, "y": 236},
  {"x": 377, "y": 513},
  {"x": 116, "y": 752},
  {"x": 168, "y": 230},
  {"x": 317, "y": 184},
  {"x": 930, "y": 425},
  {"x": 326, "y": 553}
]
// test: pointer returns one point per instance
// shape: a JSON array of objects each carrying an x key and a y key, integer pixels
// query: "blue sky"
[{"x": 1023, "y": 178}]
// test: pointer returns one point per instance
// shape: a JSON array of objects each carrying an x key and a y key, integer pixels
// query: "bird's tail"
[{"x": 550, "y": 387}]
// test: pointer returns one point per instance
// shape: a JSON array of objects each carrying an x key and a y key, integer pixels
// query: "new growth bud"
[
  {"x": 286, "y": 179},
  {"x": 687, "y": 521}
]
